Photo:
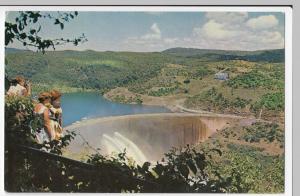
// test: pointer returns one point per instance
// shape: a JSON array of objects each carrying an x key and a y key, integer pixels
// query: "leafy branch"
[{"x": 26, "y": 29}]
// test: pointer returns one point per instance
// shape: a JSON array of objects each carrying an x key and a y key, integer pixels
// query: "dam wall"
[{"x": 153, "y": 134}]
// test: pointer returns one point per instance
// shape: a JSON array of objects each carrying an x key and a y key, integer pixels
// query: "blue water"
[{"x": 77, "y": 106}]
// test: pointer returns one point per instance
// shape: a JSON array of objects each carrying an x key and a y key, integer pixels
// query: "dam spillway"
[{"x": 145, "y": 136}]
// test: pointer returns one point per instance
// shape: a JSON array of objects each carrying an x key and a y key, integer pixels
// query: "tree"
[
  {"x": 186, "y": 81},
  {"x": 26, "y": 29}
]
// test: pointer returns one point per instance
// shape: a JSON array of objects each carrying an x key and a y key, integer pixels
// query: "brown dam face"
[{"x": 153, "y": 134}]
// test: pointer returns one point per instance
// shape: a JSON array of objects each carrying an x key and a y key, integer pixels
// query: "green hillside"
[
  {"x": 255, "y": 85},
  {"x": 256, "y": 56},
  {"x": 87, "y": 69},
  {"x": 91, "y": 69}
]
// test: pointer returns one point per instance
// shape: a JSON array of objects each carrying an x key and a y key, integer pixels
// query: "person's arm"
[
  {"x": 27, "y": 92},
  {"x": 28, "y": 89},
  {"x": 60, "y": 118},
  {"x": 9, "y": 92},
  {"x": 24, "y": 92},
  {"x": 47, "y": 125}
]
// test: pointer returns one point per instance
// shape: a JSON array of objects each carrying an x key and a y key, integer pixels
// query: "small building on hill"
[{"x": 221, "y": 76}]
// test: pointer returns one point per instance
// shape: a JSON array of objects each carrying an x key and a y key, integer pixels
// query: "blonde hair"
[
  {"x": 44, "y": 96},
  {"x": 19, "y": 79},
  {"x": 55, "y": 94}
]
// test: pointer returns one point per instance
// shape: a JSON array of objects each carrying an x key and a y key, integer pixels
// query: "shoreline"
[
  {"x": 174, "y": 104},
  {"x": 169, "y": 102}
]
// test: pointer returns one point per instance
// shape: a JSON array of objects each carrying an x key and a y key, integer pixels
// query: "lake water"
[{"x": 78, "y": 106}]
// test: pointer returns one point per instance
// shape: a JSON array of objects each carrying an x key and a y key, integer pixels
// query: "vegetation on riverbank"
[{"x": 256, "y": 152}]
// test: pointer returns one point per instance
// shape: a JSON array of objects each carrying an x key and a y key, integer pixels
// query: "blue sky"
[{"x": 157, "y": 31}]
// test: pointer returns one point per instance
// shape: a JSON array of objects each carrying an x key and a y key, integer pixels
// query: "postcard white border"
[{"x": 288, "y": 63}]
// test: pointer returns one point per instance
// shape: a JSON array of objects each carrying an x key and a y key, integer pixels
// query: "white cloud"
[
  {"x": 262, "y": 22},
  {"x": 233, "y": 32},
  {"x": 227, "y": 31},
  {"x": 227, "y": 17},
  {"x": 155, "y": 29},
  {"x": 151, "y": 41},
  {"x": 215, "y": 30},
  {"x": 272, "y": 38},
  {"x": 153, "y": 34}
]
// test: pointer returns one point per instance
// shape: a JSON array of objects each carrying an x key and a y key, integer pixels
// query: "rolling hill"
[
  {"x": 276, "y": 55},
  {"x": 106, "y": 70}
]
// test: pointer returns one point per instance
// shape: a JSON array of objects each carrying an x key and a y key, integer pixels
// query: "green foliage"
[
  {"x": 267, "y": 132},
  {"x": 270, "y": 101},
  {"x": 201, "y": 72},
  {"x": 216, "y": 101},
  {"x": 210, "y": 99},
  {"x": 132, "y": 99},
  {"x": 21, "y": 123},
  {"x": 252, "y": 79},
  {"x": 268, "y": 79},
  {"x": 212, "y": 55},
  {"x": 163, "y": 91},
  {"x": 55, "y": 68},
  {"x": 137, "y": 71},
  {"x": 138, "y": 99},
  {"x": 182, "y": 171},
  {"x": 260, "y": 170},
  {"x": 258, "y": 173},
  {"x": 240, "y": 103},
  {"x": 18, "y": 116},
  {"x": 26, "y": 28}
]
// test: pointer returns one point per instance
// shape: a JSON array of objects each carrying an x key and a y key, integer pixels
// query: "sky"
[{"x": 157, "y": 31}]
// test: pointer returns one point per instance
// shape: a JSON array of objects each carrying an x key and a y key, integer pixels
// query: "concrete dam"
[{"x": 146, "y": 137}]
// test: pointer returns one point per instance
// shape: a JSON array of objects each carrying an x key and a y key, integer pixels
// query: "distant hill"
[
  {"x": 85, "y": 69},
  {"x": 13, "y": 50},
  {"x": 94, "y": 69},
  {"x": 276, "y": 55}
]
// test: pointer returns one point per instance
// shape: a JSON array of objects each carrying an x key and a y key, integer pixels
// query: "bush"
[
  {"x": 251, "y": 79},
  {"x": 211, "y": 98},
  {"x": 240, "y": 103},
  {"x": 265, "y": 131},
  {"x": 252, "y": 172},
  {"x": 20, "y": 123},
  {"x": 163, "y": 91},
  {"x": 270, "y": 101},
  {"x": 186, "y": 81}
]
